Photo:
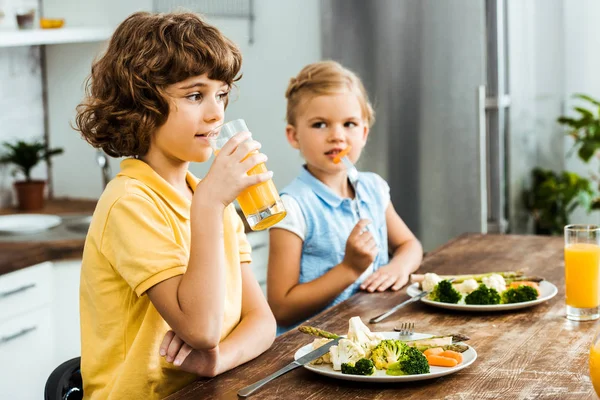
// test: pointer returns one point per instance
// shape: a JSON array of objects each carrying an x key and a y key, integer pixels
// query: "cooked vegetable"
[
  {"x": 452, "y": 354},
  {"x": 309, "y": 330},
  {"x": 346, "y": 351},
  {"x": 432, "y": 341},
  {"x": 364, "y": 366},
  {"x": 433, "y": 350},
  {"x": 459, "y": 348},
  {"x": 520, "y": 294},
  {"x": 483, "y": 296},
  {"x": 387, "y": 352},
  {"x": 534, "y": 285},
  {"x": 445, "y": 293},
  {"x": 410, "y": 362},
  {"x": 440, "y": 361}
]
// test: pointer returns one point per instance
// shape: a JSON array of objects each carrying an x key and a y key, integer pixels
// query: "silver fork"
[{"x": 405, "y": 328}]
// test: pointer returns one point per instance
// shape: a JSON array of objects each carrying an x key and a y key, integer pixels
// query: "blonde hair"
[{"x": 325, "y": 78}]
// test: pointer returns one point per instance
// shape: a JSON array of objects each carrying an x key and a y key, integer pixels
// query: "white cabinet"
[{"x": 39, "y": 325}]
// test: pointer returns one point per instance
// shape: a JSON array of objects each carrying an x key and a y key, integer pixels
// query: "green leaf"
[
  {"x": 587, "y": 150},
  {"x": 586, "y": 98}
]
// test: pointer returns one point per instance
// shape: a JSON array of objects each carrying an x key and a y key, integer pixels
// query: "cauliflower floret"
[
  {"x": 467, "y": 286},
  {"x": 325, "y": 358},
  {"x": 494, "y": 281},
  {"x": 346, "y": 351},
  {"x": 429, "y": 281},
  {"x": 360, "y": 334}
]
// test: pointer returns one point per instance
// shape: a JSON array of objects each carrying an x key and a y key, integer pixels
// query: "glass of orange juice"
[
  {"x": 595, "y": 363},
  {"x": 260, "y": 203},
  {"x": 582, "y": 269}
]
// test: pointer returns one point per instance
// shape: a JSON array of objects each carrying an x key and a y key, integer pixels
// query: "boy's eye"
[
  {"x": 318, "y": 125},
  {"x": 223, "y": 96},
  {"x": 194, "y": 97},
  {"x": 350, "y": 124}
]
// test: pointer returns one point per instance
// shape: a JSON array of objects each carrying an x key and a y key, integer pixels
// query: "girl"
[
  {"x": 166, "y": 251},
  {"x": 319, "y": 253}
]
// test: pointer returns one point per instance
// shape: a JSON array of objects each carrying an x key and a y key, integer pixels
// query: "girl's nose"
[
  {"x": 336, "y": 133},
  {"x": 214, "y": 112}
]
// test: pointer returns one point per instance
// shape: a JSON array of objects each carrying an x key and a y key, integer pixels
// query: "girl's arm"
[
  {"x": 292, "y": 301},
  {"x": 407, "y": 256}
]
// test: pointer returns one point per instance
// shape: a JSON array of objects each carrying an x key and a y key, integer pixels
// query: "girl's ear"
[
  {"x": 292, "y": 136},
  {"x": 366, "y": 132}
]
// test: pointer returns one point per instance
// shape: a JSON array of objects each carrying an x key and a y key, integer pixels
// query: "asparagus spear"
[
  {"x": 461, "y": 278},
  {"x": 459, "y": 348},
  {"x": 309, "y": 330}
]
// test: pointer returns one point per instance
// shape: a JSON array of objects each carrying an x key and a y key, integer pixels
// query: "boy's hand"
[
  {"x": 386, "y": 277},
  {"x": 203, "y": 363},
  {"x": 227, "y": 176},
  {"x": 361, "y": 247}
]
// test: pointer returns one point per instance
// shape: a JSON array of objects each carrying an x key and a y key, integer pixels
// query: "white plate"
[
  {"x": 547, "y": 291},
  {"x": 28, "y": 223},
  {"x": 379, "y": 376}
]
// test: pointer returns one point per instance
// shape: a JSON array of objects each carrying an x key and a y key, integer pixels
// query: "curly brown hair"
[
  {"x": 325, "y": 78},
  {"x": 125, "y": 93}
]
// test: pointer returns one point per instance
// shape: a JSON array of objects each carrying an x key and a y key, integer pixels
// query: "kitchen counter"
[
  {"x": 522, "y": 354},
  {"x": 21, "y": 251}
]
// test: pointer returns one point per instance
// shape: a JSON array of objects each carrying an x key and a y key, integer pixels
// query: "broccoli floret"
[
  {"x": 412, "y": 362},
  {"x": 520, "y": 294},
  {"x": 364, "y": 366},
  {"x": 387, "y": 352},
  {"x": 483, "y": 295},
  {"x": 445, "y": 293}
]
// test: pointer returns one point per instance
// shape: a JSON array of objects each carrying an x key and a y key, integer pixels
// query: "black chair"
[{"x": 64, "y": 383}]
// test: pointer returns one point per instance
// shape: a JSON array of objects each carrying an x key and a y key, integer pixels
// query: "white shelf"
[{"x": 53, "y": 36}]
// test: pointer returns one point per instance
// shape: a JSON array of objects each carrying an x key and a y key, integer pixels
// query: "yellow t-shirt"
[{"x": 140, "y": 236}]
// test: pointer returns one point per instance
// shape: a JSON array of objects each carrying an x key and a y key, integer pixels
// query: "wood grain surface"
[{"x": 533, "y": 353}]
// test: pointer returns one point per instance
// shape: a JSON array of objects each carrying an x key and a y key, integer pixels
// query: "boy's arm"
[
  {"x": 292, "y": 301},
  {"x": 407, "y": 256},
  {"x": 193, "y": 303},
  {"x": 242, "y": 344}
]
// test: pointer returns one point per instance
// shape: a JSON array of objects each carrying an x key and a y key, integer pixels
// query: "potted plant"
[
  {"x": 553, "y": 197},
  {"x": 25, "y": 156},
  {"x": 585, "y": 130}
]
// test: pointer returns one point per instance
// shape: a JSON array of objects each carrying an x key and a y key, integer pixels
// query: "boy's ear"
[
  {"x": 292, "y": 136},
  {"x": 366, "y": 133}
]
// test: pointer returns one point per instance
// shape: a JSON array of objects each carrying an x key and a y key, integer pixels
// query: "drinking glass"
[
  {"x": 260, "y": 203},
  {"x": 582, "y": 267},
  {"x": 595, "y": 363}
]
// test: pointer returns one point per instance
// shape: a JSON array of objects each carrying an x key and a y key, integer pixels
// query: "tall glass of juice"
[
  {"x": 582, "y": 270},
  {"x": 260, "y": 203}
]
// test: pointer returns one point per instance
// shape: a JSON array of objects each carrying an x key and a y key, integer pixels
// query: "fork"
[{"x": 405, "y": 328}]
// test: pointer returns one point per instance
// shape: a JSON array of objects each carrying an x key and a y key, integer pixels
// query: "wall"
[
  {"x": 582, "y": 69},
  {"x": 21, "y": 115},
  {"x": 286, "y": 38},
  {"x": 536, "y": 76}
]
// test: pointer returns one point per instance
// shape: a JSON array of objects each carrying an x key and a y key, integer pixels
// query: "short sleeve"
[
  {"x": 140, "y": 244},
  {"x": 243, "y": 244},
  {"x": 294, "y": 220},
  {"x": 384, "y": 190}
]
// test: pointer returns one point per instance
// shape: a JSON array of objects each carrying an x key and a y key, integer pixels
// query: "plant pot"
[{"x": 30, "y": 194}]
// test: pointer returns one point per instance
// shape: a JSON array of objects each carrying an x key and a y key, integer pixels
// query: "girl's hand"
[
  {"x": 389, "y": 276},
  {"x": 361, "y": 248},
  {"x": 227, "y": 176},
  {"x": 203, "y": 363}
]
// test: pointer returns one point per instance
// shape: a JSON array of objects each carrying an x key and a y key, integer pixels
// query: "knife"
[
  {"x": 392, "y": 310},
  {"x": 305, "y": 359}
]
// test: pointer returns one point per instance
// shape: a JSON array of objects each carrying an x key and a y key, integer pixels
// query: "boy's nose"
[{"x": 336, "y": 133}]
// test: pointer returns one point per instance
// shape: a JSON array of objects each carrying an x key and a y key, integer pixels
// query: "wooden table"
[{"x": 534, "y": 353}]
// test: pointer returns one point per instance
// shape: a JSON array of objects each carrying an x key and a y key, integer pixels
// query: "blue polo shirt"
[{"x": 324, "y": 221}]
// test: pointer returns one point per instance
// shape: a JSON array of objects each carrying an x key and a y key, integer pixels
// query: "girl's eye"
[
  {"x": 318, "y": 125},
  {"x": 195, "y": 97},
  {"x": 350, "y": 124}
]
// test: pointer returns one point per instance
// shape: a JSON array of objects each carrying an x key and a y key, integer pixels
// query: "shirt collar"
[
  {"x": 139, "y": 170},
  {"x": 325, "y": 192}
]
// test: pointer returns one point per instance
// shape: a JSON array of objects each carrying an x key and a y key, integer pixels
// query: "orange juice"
[
  {"x": 582, "y": 265},
  {"x": 595, "y": 366},
  {"x": 259, "y": 198}
]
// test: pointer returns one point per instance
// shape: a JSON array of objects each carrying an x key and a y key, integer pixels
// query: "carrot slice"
[
  {"x": 440, "y": 361},
  {"x": 452, "y": 354},
  {"x": 433, "y": 351},
  {"x": 341, "y": 154}
]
